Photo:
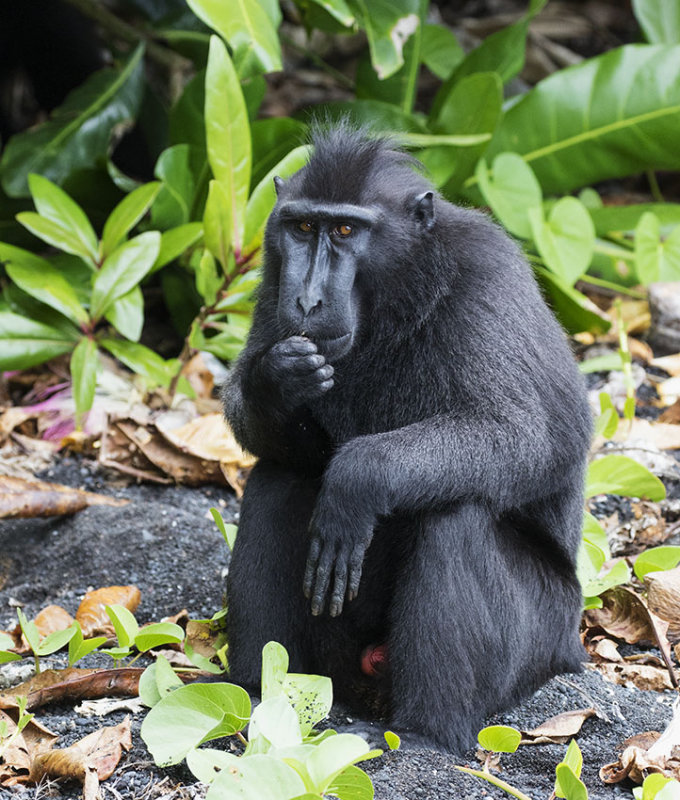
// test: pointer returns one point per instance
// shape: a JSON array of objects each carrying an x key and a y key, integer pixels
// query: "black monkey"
[{"x": 422, "y": 431}]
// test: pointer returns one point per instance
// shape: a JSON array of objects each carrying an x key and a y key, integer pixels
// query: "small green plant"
[
  {"x": 131, "y": 637},
  {"x": 43, "y": 645},
  {"x": 6, "y": 738},
  {"x": 284, "y": 756},
  {"x": 228, "y": 531},
  {"x": 657, "y": 787},
  {"x": 6, "y": 645}
]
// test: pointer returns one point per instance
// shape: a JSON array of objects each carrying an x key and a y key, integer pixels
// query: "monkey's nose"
[{"x": 308, "y": 306}]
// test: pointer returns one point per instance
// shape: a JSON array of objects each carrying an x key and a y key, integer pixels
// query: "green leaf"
[
  {"x": 472, "y": 106},
  {"x": 393, "y": 740},
  {"x": 56, "y": 206},
  {"x": 142, "y": 361},
  {"x": 511, "y": 190},
  {"x": 656, "y": 260},
  {"x": 610, "y": 116},
  {"x": 41, "y": 280},
  {"x": 338, "y": 9},
  {"x": 616, "y": 576},
  {"x": 334, "y": 755},
  {"x": 158, "y": 680},
  {"x": 572, "y": 308},
  {"x": 124, "y": 624},
  {"x": 388, "y": 25},
  {"x": 594, "y": 533},
  {"x": 566, "y": 239},
  {"x": 624, "y": 219},
  {"x": 6, "y": 657},
  {"x": 51, "y": 233},
  {"x": 158, "y": 633},
  {"x": 84, "y": 364},
  {"x": 248, "y": 29},
  {"x": 263, "y": 198},
  {"x": 311, "y": 696},
  {"x": 195, "y": 714},
  {"x": 275, "y": 720},
  {"x": 175, "y": 241},
  {"x": 127, "y": 314},
  {"x": 606, "y": 363},
  {"x": 30, "y": 631},
  {"x": 607, "y": 407},
  {"x": 172, "y": 207},
  {"x": 208, "y": 280},
  {"x": 499, "y": 738},
  {"x": 78, "y": 647},
  {"x": 351, "y": 784},
  {"x": 217, "y": 222},
  {"x": 274, "y": 669},
  {"x": 228, "y": 135},
  {"x": 78, "y": 133},
  {"x": 228, "y": 531},
  {"x": 207, "y": 762},
  {"x": 123, "y": 270},
  {"x": 660, "y": 21},
  {"x": 258, "y": 777},
  {"x": 574, "y": 760},
  {"x": 656, "y": 559},
  {"x": 25, "y": 343},
  {"x": 441, "y": 52},
  {"x": 55, "y": 641},
  {"x": 571, "y": 786},
  {"x": 127, "y": 214},
  {"x": 623, "y": 476}
]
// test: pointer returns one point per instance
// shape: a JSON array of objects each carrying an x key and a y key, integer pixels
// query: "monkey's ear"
[
  {"x": 425, "y": 210},
  {"x": 278, "y": 184}
]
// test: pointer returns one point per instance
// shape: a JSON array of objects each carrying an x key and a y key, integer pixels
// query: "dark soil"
[{"x": 165, "y": 542}]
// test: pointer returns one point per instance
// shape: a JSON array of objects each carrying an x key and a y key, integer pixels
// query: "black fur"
[{"x": 436, "y": 465}]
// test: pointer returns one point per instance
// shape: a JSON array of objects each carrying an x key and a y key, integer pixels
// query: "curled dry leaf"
[
  {"x": 663, "y": 435},
  {"x": 53, "y": 685},
  {"x": 52, "y": 619},
  {"x": 88, "y": 761},
  {"x": 16, "y": 760},
  {"x": 91, "y": 615},
  {"x": 602, "y": 649},
  {"x": 669, "y": 364},
  {"x": 558, "y": 729},
  {"x": 671, "y": 415},
  {"x": 663, "y": 597},
  {"x": 644, "y": 676},
  {"x": 202, "y": 638},
  {"x": 21, "y": 498}
]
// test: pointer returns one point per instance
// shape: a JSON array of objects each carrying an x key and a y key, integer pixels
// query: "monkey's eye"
[
  {"x": 343, "y": 230},
  {"x": 306, "y": 227}
]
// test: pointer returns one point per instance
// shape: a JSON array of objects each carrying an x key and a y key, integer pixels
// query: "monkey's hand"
[
  {"x": 296, "y": 371},
  {"x": 341, "y": 531}
]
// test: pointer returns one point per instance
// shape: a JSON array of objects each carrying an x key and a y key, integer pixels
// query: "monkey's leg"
[
  {"x": 468, "y": 625},
  {"x": 264, "y": 585}
]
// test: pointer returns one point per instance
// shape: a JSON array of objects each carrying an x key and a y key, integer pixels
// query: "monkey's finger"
[
  {"x": 298, "y": 346},
  {"x": 310, "y": 568},
  {"x": 323, "y": 578},
  {"x": 355, "y": 569},
  {"x": 308, "y": 364},
  {"x": 339, "y": 585}
]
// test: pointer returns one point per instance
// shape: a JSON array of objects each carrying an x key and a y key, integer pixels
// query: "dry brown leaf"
[
  {"x": 17, "y": 758},
  {"x": 558, "y": 729},
  {"x": 202, "y": 638},
  {"x": 663, "y": 435},
  {"x": 91, "y": 614},
  {"x": 73, "y": 683},
  {"x": 52, "y": 619},
  {"x": 605, "y": 650},
  {"x": 669, "y": 364},
  {"x": 623, "y": 615},
  {"x": 671, "y": 416},
  {"x": 88, "y": 761},
  {"x": 643, "y": 676},
  {"x": 669, "y": 391},
  {"x": 20, "y": 498},
  {"x": 10, "y": 418},
  {"x": 663, "y": 597}
]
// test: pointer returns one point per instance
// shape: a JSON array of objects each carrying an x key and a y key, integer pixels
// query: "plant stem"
[
  {"x": 654, "y": 186},
  {"x": 615, "y": 287},
  {"x": 501, "y": 784},
  {"x": 414, "y": 65},
  {"x": 241, "y": 738}
]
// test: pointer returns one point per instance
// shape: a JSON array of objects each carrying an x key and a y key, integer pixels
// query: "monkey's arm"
[{"x": 506, "y": 461}]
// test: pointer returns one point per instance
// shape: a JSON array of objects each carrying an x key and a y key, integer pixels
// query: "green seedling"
[
  {"x": 131, "y": 637},
  {"x": 43, "y": 645},
  {"x": 25, "y": 717},
  {"x": 658, "y": 787},
  {"x": 6, "y": 643},
  {"x": 228, "y": 531}
]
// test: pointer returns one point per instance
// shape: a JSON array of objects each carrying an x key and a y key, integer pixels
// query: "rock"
[{"x": 664, "y": 305}]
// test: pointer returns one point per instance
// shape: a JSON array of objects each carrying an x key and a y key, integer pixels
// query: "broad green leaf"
[
  {"x": 573, "y": 309},
  {"x": 37, "y": 277},
  {"x": 249, "y": 30},
  {"x": 172, "y": 206},
  {"x": 6, "y": 657},
  {"x": 606, "y": 363},
  {"x": 472, "y": 106},
  {"x": 158, "y": 680},
  {"x": 55, "y": 641},
  {"x": 258, "y": 777},
  {"x": 126, "y": 215},
  {"x": 656, "y": 559},
  {"x": 78, "y": 133},
  {"x": 574, "y": 760},
  {"x": 142, "y": 360},
  {"x": 123, "y": 270},
  {"x": 571, "y": 786},
  {"x": 84, "y": 365},
  {"x": 338, "y": 9},
  {"x": 263, "y": 198},
  {"x": 566, "y": 239},
  {"x": 388, "y": 25},
  {"x": 623, "y": 476},
  {"x": 228, "y": 531},
  {"x": 175, "y": 241},
  {"x": 659, "y": 19},
  {"x": 624, "y": 219},
  {"x": 499, "y": 738},
  {"x": 6, "y": 641},
  {"x": 275, "y": 720},
  {"x": 616, "y": 576},
  {"x": 158, "y": 633},
  {"x": 657, "y": 787},
  {"x": 274, "y": 669},
  {"x": 441, "y": 52},
  {"x": 228, "y": 135},
  {"x": 124, "y": 624},
  {"x": 25, "y": 343},
  {"x": 607, "y": 406},
  {"x": 610, "y": 116},
  {"x": 311, "y": 696},
  {"x": 52, "y": 233},
  {"x": 195, "y": 714},
  {"x": 127, "y": 314},
  {"x": 594, "y": 533},
  {"x": 511, "y": 190},
  {"x": 393, "y": 740},
  {"x": 334, "y": 755},
  {"x": 207, "y": 762},
  {"x": 656, "y": 260},
  {"x": 217, "y": 224},
  {"x": 30, "y": 631},
  {"x": 351, "y": 784},
  {"x": 55, "y": 205},
  {"x": 589, "y": 561},
  {"x": 79, "y": 647},
  {"x": 208, "y": 280}
]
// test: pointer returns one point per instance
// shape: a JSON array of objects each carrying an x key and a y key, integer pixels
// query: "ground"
[{"x": 165, "y": 542}]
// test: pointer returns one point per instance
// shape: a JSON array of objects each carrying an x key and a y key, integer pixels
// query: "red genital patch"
[{"x": 374, "y": 660}]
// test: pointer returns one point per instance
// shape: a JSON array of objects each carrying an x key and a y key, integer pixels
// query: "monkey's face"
[{"x": 323, "y": 248}]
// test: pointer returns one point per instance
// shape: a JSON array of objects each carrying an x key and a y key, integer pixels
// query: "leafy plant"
[
  {"x": 43, "y": 645},
  {"x": 7, "y": 738},
  {"x": 284, "y": 757},
  {"x": 131, "y": 637}
]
